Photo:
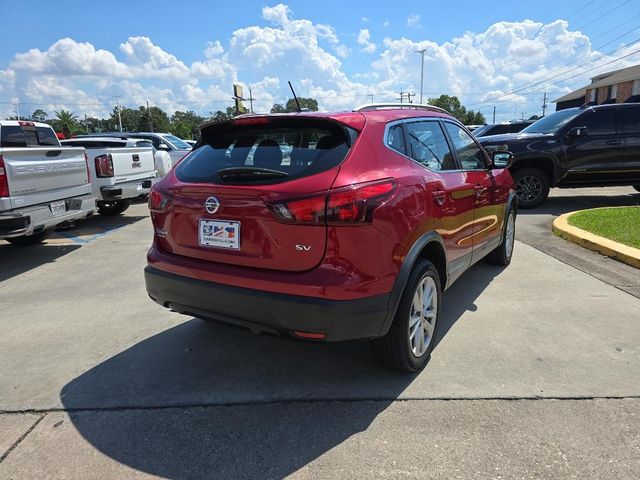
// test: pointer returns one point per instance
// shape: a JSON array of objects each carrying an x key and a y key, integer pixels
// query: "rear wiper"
[{"x": 250, "y": 173}]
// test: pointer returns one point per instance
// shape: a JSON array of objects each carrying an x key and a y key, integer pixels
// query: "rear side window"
[
  {"x": 27, "y": 136},
  {"x": 630, "y": 120},
  {"x": 290, "y": 148}
]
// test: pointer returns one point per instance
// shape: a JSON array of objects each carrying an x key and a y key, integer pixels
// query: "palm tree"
[{"x": 67, "y": 121}]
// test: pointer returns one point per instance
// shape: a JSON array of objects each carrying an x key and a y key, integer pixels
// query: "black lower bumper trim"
[
  {"x": 268, "y": 312},
  {"x": 14, "y": 224}
]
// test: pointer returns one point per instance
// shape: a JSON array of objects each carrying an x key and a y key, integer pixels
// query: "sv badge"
[{"x": 303, "y": 248}]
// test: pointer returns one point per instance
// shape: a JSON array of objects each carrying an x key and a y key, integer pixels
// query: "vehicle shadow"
[
  {"x": 561, "y": 204},
  {"x": 18, "y": 260},
  {"x": 96, "y": 226},
  {"x": 292, "y": 401}
]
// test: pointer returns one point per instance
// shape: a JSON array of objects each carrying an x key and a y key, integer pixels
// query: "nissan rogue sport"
[{"x": 330, "y": 226}]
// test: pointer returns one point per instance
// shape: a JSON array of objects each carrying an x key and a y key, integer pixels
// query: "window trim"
[{"x": 404, "y": 121}]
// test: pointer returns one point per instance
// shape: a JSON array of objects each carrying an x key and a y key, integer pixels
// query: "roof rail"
[{"x": 408, "y": 106}]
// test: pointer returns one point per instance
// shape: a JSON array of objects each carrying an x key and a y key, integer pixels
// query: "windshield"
[
  {"x": 552, "y": 123},
  {"x": 177, "y": 142}
]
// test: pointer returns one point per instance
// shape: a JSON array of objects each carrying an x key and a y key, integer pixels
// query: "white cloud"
[
  {"x": 364, "y": 39},
  {"x": 478, "y": 67},
  {"x": 414, "y": 20},
  {"x": 364, "y": 19}
]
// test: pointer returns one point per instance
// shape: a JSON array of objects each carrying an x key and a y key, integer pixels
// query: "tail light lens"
[
  {"x": 350, "y": 205},
  {"x": 104, "y": 166},
  {"x": 157, "y": 200},
  {"x": 86, "y": 162},
  {"x": 4, "y": 182}
]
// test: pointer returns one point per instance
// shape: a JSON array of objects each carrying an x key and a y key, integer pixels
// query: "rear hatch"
[
  {"x": 131, "y": 163},
  {"x": 37, "y": 174},
  {"x": 220, "y": 206}
]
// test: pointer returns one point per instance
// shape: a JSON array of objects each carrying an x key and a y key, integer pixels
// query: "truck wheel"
[
  {"x": 113, "y": 208},
  {"x": 532, "y": 186},
  {"x": 637, "y": 187},
  {"x": 30, "y": 239},
  {"x": 502, "y": 255},
  {"x": 408, "y": 344}
]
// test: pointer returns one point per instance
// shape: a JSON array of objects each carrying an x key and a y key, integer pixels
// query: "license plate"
[
  {"x": 221, "y": 234},
  {"x": 138, "y": 186},
  {"x": 58, "y": 208}
]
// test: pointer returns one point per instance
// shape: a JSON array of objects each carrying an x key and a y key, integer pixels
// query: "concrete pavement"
[{"x": 122, "y": 388}]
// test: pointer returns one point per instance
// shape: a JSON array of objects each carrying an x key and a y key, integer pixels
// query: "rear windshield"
[
  {"x": 94, "y": 143},
  {"x": 288, "y": 148},
  {"x": 27, "y": 136}
]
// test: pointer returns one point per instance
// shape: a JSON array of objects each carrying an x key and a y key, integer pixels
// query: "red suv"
[{"x": 330, "y": 226}]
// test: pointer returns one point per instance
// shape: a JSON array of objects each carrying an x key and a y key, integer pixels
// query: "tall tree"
[
  {"x": 452, "y": 104},
  {"x": 67, "y": 122},
  {"x": 39, "y": 115}
]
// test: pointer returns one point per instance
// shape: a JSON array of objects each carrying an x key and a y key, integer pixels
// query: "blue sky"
[{"x": 186, "y": 55}]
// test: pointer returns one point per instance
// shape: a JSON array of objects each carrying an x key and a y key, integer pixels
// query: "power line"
[
  {"x": 547, "y": 78},
  {"x": 603, "y": 15}
]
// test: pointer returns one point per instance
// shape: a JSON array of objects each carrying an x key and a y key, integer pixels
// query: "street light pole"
[{"x": 421, "y": 52}]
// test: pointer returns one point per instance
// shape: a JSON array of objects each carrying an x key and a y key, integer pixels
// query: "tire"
[
  {"x": 637, "y": 188},
  {"x": 110, "y": 209},
  {"x": 399, "y": 349},
  {"x": 502, "y": 255},
  {"x": 26, "y": 241},
  {"x": 532, "y": 186}
]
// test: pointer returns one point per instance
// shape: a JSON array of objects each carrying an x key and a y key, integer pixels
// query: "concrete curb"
[{"x": 604, "y": 246}]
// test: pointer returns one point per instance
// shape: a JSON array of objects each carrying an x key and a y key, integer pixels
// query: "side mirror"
[
  {"x": 575, "y": 132},
  {"x": 502, "y": 159}
]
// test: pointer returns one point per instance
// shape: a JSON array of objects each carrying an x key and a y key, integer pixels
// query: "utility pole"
[
  {"x": 150, "y": 119},
  {"x": 18, "y": 109},
  {"x": 544, "y": 104},
  {"x": 251, "y": 99},
  {"x": 371, "y": 95},
  {"x": 402, "y": 97},
  {"x": 409, "y": 95},
  {"x": 421, "y": 52},
  {"x": 118, "y": 105},
  {"x": 494, "y": 114},
  {"x": 86, "y": 124},
  {"x": 515, "y": 112}
]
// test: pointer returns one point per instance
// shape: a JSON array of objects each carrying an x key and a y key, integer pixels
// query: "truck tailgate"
[
  {"x": 131, "y": 163},
  {"x": 44, "y": 174}
]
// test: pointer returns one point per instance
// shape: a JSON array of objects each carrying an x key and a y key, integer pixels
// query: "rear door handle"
[
  {"x": 614, "y": 142},
  {"x": 439, "y": 197},
  {"x": 479, "y": 190}
]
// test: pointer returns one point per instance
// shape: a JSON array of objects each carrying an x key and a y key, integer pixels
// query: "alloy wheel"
[
  {"x": 424, "y": 312},
  {"x": 528, "y": 188}
]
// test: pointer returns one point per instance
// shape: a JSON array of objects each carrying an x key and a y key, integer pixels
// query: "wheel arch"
[
  {"x": 430, "y": 247},
  {"x": 544, "y": 163}
]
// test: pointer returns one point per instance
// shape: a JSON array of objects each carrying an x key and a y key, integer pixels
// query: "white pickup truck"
[
  {"x": 122, "y": 169},
  {"x": 42, "y": 184}
]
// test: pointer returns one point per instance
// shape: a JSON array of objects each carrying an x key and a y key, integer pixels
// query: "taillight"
[
  {"x": 4, "y": 182},
  {"x": 104, "y": 166},
  {"x": 86, "y": 162},
  {"x": 157, "y": 201},
  {"x": 349, "y": 205}
]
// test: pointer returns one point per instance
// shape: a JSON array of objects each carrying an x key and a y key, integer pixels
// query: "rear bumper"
[
  {"x": 127, "y": 190},
  {"x": 268, "y": 312},
  {"x": 36, "y": 218}
]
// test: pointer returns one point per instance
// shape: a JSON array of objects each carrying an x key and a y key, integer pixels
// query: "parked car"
[
  {"x": 500, "y": 128},
  {"x": 375, "y": 214},
  {"x": 122, "y": 169},
  {"x": 174, "y": 146},
  {"x": 42, "y": 184},
  {"x": 592, "y": 146}
]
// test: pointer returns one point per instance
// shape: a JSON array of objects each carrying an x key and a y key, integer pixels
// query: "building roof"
[{"x": 604, "y": 80}]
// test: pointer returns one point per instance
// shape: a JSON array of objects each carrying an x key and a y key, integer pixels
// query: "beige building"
[{"x": 618, "y": 86}]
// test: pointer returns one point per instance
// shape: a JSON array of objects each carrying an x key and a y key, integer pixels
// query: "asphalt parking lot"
[{"x": 535, "y": 374}]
